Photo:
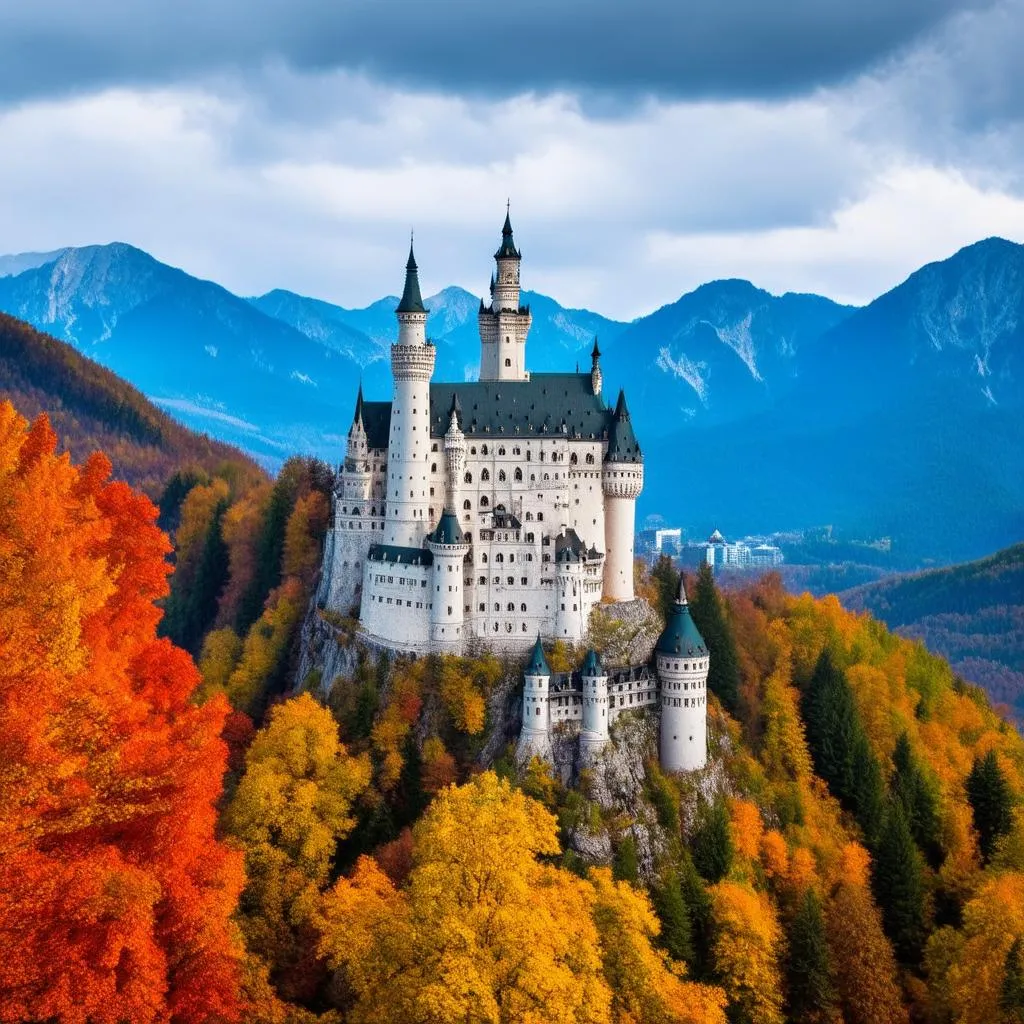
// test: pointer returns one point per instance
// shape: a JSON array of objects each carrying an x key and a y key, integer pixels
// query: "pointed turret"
[
  {"x": 537, "y": 665},
  {"x": 622, "y": 442},
  {"x": 411, "y": 301},
  {"x": 681, "y": 635},
  {"x": 595, "y": 352},
  {"x": 357, "y": 418},
  {"x": 592, "y": 664},
  {"x": 508, "y": 249},
  {"x": 596, "y": 377},
  {"x": 455, "y": 410}
]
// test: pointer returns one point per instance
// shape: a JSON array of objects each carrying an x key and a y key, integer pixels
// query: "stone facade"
[{"x": 533, "y": 477}]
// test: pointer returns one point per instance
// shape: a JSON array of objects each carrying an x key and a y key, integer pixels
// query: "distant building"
[
  {"x": 668, "y": 542},
  {"x": 719, "y": 553}
]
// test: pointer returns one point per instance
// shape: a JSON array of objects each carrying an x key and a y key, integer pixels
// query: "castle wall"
[{"x": 397, "y": 602}]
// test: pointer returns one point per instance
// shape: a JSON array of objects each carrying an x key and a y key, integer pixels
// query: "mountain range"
[{"x": 756, "y": 412}]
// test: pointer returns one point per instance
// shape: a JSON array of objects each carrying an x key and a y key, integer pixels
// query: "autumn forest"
[{"x": 190, "y": 833}]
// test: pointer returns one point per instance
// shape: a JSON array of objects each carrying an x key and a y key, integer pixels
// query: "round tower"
[
  {"x": 594, "y": 728},
  {"x": 448, "y": 547},
  {"x": 681, "y": 660},
  {"x": 596, "y": 377},
  {"x": 504, "y": 324},
  {"x": 535, "y": 735},
  {"x": 412, "y": 366},
  {"x": 622, "y": 479},
  {"x": 455, "y": 452},
  {"x": 570, "y": 617}
]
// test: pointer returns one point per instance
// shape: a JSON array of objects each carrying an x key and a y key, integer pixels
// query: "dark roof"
[
  {"x": 508, "y": 246},
  {"x": 681, "y": 635},
  {"x": 358, "y": 415},
  {"x": 411, "y": 301},
  {"x": 377, "y": 420},
  {"x": 595, "y": 352},
  {"x": 592, "y": 664},
  {"x": 536, "y": 407},
  {"x": 537, "y": 665},
  {"x": 447, "y": 530},
  {"x": 396, "y": 554},
  {"x": 569, "y": 547},
  {"x": 622, "y": 442}
]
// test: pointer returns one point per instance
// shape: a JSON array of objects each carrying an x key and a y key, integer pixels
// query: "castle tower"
[
  {"x": 448, "y": 546},
  {"x": 355, "y": 476},
  {"x": 505, "y": 324},
  {"x": 596, "y": 377},
  {"x": 622, "y": 480},
  {"x": 594, "y": 728},
  {"x": 455, "y": 452},
  {"x": 681, "y": 659},
  {"x": 535, "y": 735},
  {"x": 412, "y": 365},
  {"x": 570, "y": 617}
]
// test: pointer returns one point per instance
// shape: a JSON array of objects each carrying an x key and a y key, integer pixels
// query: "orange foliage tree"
[{"x": 115, "y": 897}]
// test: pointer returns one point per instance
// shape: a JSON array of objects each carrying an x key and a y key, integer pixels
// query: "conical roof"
[
  {"x": 622, "y": 443},
  {"x": 411, "y": 301},
  {"x": 508, "y": 246},
  {"x": 592, "y": 664},
  {"x": 447, "y": 530},
  {"x": 537, "y": 665},
  {"x": 681, "y": 635},
  {"x": 595, "y": 353},
  {"x": 357, "y": 417}
]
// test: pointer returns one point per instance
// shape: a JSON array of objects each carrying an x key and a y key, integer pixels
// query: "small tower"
[
  {"x": 594, "y": 728},
  {"x": 448, "y": 547},
  {"x": 682, "y": 661},
  {"x": 412, "y": 366},
  {"x": 596, "y": 377},
  {"x": 505, "y": 323},
  {"x": 455, "y": 451},
  {"x": 535, "y": 735},
  {"x": 355, "y": 475},
  {"x": 622, "y": 480}
]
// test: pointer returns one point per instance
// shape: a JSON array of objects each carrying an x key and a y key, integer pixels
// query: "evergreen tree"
[
  {"x": 812, "y": 996},
  {"x": 991, "y": 803},
  {"x": 1011, "y": 994},
  {"x": 700, "y": 909},
  {"x": 868, "y": 796},
  {"x": 670, "y": 904},
  {"x": 911, "y": 788},
  {"x": 712, "y": 842},
  {"x": 625, "y": 868},
  {"x": 898, "y": 882},
  {"x": 665, "y": 578},
  {"x": 709, "y": 615}
]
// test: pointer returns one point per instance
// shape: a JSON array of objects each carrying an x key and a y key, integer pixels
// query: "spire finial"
[
  {"x": 595, "y": 353},
  {"x": 411, "y": 301},
  {"x": 681, "y": 596}
]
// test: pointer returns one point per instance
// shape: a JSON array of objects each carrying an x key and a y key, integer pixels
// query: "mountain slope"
[
  {"x": 971, "y": 614},
  {"x": 191, "y": 346},
  {"x": 719, "y": 353},
  {"x": 92, "y": 409}
]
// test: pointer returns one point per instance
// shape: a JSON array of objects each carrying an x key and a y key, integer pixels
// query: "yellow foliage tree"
[
  {"x": 461, "y": 697},
  {"x": 221, "y": 650}
]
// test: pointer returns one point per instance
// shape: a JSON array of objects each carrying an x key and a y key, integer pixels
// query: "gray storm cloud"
[{"x": 672, "y": 48}]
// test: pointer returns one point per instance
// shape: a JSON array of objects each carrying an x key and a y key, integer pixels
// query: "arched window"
[
  {"x": 468, "y": 478},
  {"x": 485, "y": 475},
  {"x": 522, "y": 607},
  {"x": 433, "y": 467},
  {"x": 528, "y": 455},
  {"x": 484, "y": 501},
  {"x": 590, "y": 459},
  {"x": 472, "y": 451},
  {"x": 516, "y": 451},
  {"x": 499, "y": 557},
  {"x": 540, "y": 517},
  {"x": 529, "y": 517},
  {"x": 573, "y": 460},
  {"x": 511, "y": 581},
  {"x": 483, "y": 557},
  {"x": 483, "y": 449},
  {"x": 508, "y": 362},
  {"x": 518, "y": 475},
  {"x": 511, "y": 606},
  {"x": 529, "y": 538},
  {"x": 501, "y": 476},
  {"x": 511, "y": 558},
  {"x": 467, "y": 504},
  {"x": 501, "y": 451},
  {"x": 497, "y": 607},
  {"x": 524, "y": 627}
]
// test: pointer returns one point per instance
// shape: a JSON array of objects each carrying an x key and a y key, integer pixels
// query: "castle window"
[
  {"x": 499, "y": 557},
  {"x": 538, "y": 709},
  {"x": 522, "y": 608},
  {"x": 529, "y": 557},
  {"x": 467, "y": 504},
  {"x": 529, "y": 456},
  {"x": 501, "y": 451},
  {"x": 540, "y": 517},
  {"x": 468, "y": 478},
  {"x": 524, "y": 582},
  {"x": 483, "y": 557},
  {"x": 524, "y": 627},
  {"x": 483, "y": 607},
  {"x": 518, "y": 476},
  {"x": 501, "y": 476},
  {"x": 508, "y": 362},
  {"x": 483, "y": 449},
  {"x": 472, "y": 451},
  {"x": 529, "y": 518},
  {"x": 573, "y": 460},
  {"x": 433, "y": 467},
  {"x": 485, "y": 475},
  {"x": 511, "y": 606},
  {"x": 516, "y": 451},
  {"x": 485, "y": 501},
  {"x": 511, "y": 581},
  {"x": 590, "y": 460},
  {"x": 511, "y": 558},
  {"x": 433, "y": 447},
  {"x": 497, "y": 607}
]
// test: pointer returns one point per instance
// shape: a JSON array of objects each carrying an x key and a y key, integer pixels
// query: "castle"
[
  {"x": 498, "y": 512},
  {"x": 591, "y": 699},
  {"x": 489, "y": 512}
]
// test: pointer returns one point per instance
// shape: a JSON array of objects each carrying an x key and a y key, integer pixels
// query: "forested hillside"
[
  {"x": 93, "y": 409},
  {"x": 222, "y": 847},
  {"x": 971, "y": 614}
]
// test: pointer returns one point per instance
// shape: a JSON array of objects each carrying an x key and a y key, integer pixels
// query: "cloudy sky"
[{"x": 810, "y": 145}]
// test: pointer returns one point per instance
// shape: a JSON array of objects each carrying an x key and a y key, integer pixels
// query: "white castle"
[
  {"x": 591, "y": 699},
  {"x": 495, "y": 512},
  {"x": 488, "y": 512}
]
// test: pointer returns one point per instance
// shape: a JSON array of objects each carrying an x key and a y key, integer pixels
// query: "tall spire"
[
  {"x": 357, "y": 418},
  {"x": 595, "y": 353},
  {"x": 412, "y": 301},
  {"x": 508, "y": 246}
]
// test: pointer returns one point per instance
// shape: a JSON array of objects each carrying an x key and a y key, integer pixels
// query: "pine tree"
[
  {"x": 665, "y": 578},
  {"x": 812, "y": 996},
  {"x": 868, "y": 796},
  {"x": 700, "y": 909},
  {"x": 1011, "y": 995},
  {"x": 712, "y": 842},
  {"x": 670, "y": 904},
  {"x": 991, "y": 803},
  {"x": 911, "y": 788},
  {"x": 709, "y": 615},
  {"x": 898, "y": 882}
]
